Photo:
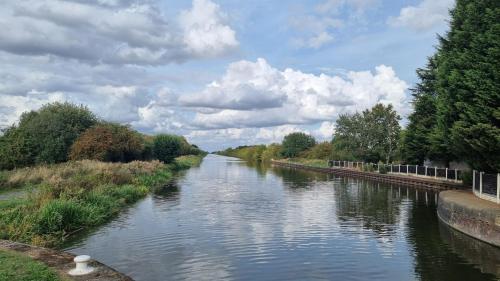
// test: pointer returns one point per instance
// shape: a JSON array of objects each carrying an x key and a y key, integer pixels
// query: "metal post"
[
  {"x": 446, "y": 172},
  {"x": 399, "y": 168},
  {"x": 391, "y": 168},
  {"x": 416, "y": 170},
  {"x": 426, "y": 171},
  {"x": 407, "y": 169},
  {"x": 481, "y": 183},
  {"x": 435, "y": 172},
  {"x": 456, "y": 175}
]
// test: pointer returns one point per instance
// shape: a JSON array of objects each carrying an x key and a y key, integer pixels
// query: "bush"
[
  {"x": 467, "y": 178},
  {"x": 295, "y": 143},
  {"x": 108, "y": 142},
  {"x": 44, "y": 136},
  {"x": 166, "y": 147},
  {"x": 272, "y": 152},
  {"x": 319, "y": 151}
]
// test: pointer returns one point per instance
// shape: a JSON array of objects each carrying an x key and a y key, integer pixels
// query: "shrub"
[
  {"x": 44, "y": 136},
  {"x": 108, "y": 142},
  {"x": 272, "y": 152},
  {"x": 295, "y": 143},
  {"x": 166, "y": 147},
  {"x": 319, "y": 151}
]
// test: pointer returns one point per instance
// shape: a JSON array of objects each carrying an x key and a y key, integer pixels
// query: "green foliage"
[
  {"x": 462, "y": 85},
  {"x": 108, "y": 142},
  {"x": 166, "y": 147},
  {"x": 44, "y": 136},
  {"x": 272, "y": 151},
  {"x": 18, "y": 267},
  {"x": 416, "y": 145},
  {"x": 319, "y": 151},
  {"x": 77, "y": 195},
  {"x": 372, "y": 135},
  {"x": 59, "y": 215},
  {"x": 295, "y": 143}
]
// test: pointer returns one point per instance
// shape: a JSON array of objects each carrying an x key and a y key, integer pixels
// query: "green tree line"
[
  {"x": 456, "y": 106},
  {"x": 59, "y": 132}
]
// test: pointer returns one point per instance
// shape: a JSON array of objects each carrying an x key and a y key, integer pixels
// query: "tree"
[
  {"x": 108, "y": 142},
  {"x": 166, "y": 147},
  {"x": 469, "y": 84},
  {"x": 372, "y": 135},
  {"x": 295, "y": 143},
  {"x": 46, "y": 135},
  {"x": 422, "y": 121},
  {"x": 462, "y": 85}
]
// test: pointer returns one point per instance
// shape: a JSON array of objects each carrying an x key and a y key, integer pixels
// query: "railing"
[
  {"x": 486, "y": 186},
  {"x": 410, "y": 170}
]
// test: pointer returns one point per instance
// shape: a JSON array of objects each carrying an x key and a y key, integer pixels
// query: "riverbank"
[
  {"x": 471, "y": 215},
  {"x": 69, "y": 197},
  {"x": 418, "y": 182},
  {"x": 21, "y": 262}
]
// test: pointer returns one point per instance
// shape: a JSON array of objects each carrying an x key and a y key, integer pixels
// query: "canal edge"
[{"x": 62, "y": 262}]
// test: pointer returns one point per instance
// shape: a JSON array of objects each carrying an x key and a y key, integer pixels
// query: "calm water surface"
[{"x": 227, "y": 220}]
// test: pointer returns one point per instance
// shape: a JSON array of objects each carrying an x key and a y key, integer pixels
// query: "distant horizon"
[{"x": 221, "y": 73}]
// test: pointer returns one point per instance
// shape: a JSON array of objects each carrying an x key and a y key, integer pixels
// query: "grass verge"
[
  {"x": 17, "y": 267},
  {"x": 310, "y": 162},
  {"x": 77, "y": 195}
]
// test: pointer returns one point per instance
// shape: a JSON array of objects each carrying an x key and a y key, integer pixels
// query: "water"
[{"x": 227, "y": 220}]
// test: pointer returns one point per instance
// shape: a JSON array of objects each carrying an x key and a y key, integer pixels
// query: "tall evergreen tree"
[
  {"x": 416, "y": 142},
  {"x": 468, "y": 85}
]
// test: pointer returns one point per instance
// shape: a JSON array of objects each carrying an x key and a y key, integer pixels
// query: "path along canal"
[{"x": 228, "y": 220}]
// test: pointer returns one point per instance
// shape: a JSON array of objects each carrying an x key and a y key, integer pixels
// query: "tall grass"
[{"x": 72, "y": 196}]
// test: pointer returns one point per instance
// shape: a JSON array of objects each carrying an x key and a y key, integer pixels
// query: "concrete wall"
[{"x": 473, "y": 216}]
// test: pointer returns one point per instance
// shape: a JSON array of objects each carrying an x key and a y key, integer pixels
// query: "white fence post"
[
  {"x": 399, "y": 168},
  {"x": 480, "y": 183},
  {"x": 407, "y": 169},
  {"x": 498, "y": 188},
  {"x": 446, "y": 173},
  {"x": 435, "y": 172},
  {"x": 426, "y": 171},
  {"x": 456, "y": 175},
  {"x": 473, "y": 180},
  {"x": 416, "y": 170}
]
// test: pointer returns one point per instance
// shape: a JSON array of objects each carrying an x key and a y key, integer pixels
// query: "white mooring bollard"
[{"x": 82, "y": 267}]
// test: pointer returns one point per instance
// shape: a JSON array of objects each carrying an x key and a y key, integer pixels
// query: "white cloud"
[
  {"x": 245, "y": 85},
  {"x": 325, "y": 131},
  {"x": 98, "y": 32},
  {"x": 205, "y": 34},
  {"x": 307, "y": 98},
  {"x": 424, "y": 16},
  {"x": 12, "y": 107}
]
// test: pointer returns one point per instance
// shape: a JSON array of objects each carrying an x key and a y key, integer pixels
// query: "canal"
[{"x": 229, "y": 220}]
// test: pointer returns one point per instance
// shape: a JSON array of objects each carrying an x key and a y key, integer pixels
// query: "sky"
[{"x": 219, "y": 72}]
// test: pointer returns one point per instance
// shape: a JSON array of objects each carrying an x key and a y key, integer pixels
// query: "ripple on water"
[{"x": 228, "y": 221}]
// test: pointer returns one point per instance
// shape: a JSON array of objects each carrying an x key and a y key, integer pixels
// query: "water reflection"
[
  {"x": 231, "y": 220},
  {"x": 435, "y": 256},
  {"x": 486, "y": 257}
]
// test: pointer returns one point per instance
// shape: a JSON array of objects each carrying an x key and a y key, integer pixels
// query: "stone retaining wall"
[
  {"x": 473, "y": 216},
  {"x": 418, "y": 182}
]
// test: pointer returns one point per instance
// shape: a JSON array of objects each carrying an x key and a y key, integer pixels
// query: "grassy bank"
[
  {"x": 17, "y": 267},
  {"x": 72, "y": 196},
  {"x": 309, "y": 162}
]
